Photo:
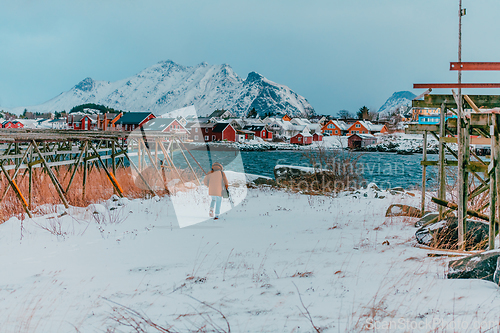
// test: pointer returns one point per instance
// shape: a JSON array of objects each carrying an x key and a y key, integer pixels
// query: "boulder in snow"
[
  {"x": 428, "y": 217},
  {"x": 479, "y": 266},
  {"x": 444, "y": 234}
]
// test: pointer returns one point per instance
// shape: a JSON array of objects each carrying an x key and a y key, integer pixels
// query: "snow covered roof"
[
  {"x": 158, "y": 124},
  {"x": 315, "y": 127},
  {"x": 364, "y": 136},
  {"x": 341, "y": 124},
  {"x": 376, "y": 128},
  {"x": 300, "y": 121}
]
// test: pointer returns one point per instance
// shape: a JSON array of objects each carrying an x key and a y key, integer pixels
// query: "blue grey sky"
[{"x": 337, "y": 54}]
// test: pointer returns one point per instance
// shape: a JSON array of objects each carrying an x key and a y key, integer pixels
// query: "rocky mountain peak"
[{"x": 86, "y": 84}]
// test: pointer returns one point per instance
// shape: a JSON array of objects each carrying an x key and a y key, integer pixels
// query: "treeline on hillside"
[
  {"x": 36, "y": 115},
  {"x": 100, "y": 108}
]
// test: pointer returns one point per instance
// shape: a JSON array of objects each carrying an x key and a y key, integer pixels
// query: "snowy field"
[{"x": 277, "y": 262}]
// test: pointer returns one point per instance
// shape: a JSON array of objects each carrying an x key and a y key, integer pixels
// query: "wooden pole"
[
  {"x": 462, "y": 178},
  {"x": 85, "y": 170},
  {"x": 139, "y": 155},
  {"x": 495, "y": 172},
  {"x": 17, "y": 191},
  {"x": 30, "y": 182},
  {"x": 171, "y": 162},
  {"x": 111, "y": 177},
  {"x": 454, "y": 206},
  {"x": 151, "y": 159},
  {"x": 462, "y": 202},
  {"x": 113, "y": 152},
  {"x": 16, "y": 170},
  {"x": 78, "y": 161},
  {"x": 424, "y": 158},
  {"x": 193, "y": 157},
  {"x": 189, "y": 164},
  {"x": 56, "y": 183},
  {"x": 139, "y": 173},
  {"x": 442, "y": 156}
]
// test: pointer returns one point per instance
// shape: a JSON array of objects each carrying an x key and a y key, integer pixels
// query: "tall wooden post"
[
  {"x": 495, "y": 141},
  {"x": 30, "y": 180},
  {"x": 139, "y": 157},
  {"x": 424, "y": 158},
  {"x": 466, "y": 160},
  {"x": 461, "y": 174},
  {"x": 85, "y": 171},
  {"x": 442, "y": 156},
  {"x": 113, "y": 160},
  {"x": 462, "y": 178},
  {"x": 495, "y": 173}
]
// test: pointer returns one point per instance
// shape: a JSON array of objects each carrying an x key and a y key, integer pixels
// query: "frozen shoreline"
[{"x": 394, "y": 143}]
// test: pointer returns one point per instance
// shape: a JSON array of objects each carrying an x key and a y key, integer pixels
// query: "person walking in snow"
[{"x": 217, "y": 182}]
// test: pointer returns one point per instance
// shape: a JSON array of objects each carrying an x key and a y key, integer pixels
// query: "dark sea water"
[{"x": 387, "y": 170}]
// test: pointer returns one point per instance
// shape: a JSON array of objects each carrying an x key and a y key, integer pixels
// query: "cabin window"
[
  {"x": 330, "y": 126},
  {"x": 358, "y": 125},
  {"x": 196, "y": 137},
  {"x": 196, "y": 130},
  {"x": 213, "y": 137},
  {"x": 336, "y": 132},
  {"x": 300, "y": 138},
  {"x": 206, "y": 137}
]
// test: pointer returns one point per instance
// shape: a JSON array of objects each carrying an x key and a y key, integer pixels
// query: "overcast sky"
[{"x": 337, "y": 54}]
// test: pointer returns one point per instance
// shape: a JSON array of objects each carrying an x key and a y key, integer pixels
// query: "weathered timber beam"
[
  {"x": 15, "y": 173},
  {"x": 17, "y": 191},
  {"x": 454, "y": 206},
  {"x": 56, "y": 183},
  {"x": 140, "y": 174},
  {"x": 111, "y": 177},
  {"x": 78, "y": 161},
  {"x": 435, "y": 101},
  {"x": 420, "y": 128}
]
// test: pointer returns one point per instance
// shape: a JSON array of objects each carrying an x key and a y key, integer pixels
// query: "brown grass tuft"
[{"x": 98, "y": 188}]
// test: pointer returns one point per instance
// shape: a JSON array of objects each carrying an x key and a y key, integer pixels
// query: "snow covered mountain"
[
  {"x": 400, "y": 98},
  {"x": 168, "y": 86}
]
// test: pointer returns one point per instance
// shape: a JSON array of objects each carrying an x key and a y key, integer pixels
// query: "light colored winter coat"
[{"x": 213, "y": 180}]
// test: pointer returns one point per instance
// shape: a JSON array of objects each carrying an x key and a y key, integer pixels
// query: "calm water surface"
[{"x": 385, "y": 169}]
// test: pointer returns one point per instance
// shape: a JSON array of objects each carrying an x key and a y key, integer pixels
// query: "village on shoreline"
[{"x": 223, "y": 130}]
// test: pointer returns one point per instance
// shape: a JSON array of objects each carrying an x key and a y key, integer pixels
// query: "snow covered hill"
[
  {"x": 168, "y": 86},
  {"x": 400, "y": 98}
]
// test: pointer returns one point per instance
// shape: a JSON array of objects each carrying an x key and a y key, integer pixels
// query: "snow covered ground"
[{"x": 277, "y": 262}]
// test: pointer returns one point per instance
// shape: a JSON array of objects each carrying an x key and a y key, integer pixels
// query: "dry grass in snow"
[{"x": 277, "y": 262}]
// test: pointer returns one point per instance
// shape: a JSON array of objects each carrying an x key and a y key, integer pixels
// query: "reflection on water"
[{"x": 385, "y": 169}]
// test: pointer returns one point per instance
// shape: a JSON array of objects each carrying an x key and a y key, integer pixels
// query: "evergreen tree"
[
  {"x": 252, "y": 113},
  {"x": 363, "y": 113}
]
